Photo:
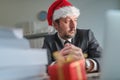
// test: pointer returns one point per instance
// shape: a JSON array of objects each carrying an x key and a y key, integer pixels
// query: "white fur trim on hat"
[{"x": 66, "y": 11}]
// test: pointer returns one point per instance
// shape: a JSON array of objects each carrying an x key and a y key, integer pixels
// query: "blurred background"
[
  {"x": 31, "y": 15},
  {"x": 23, "y": 26}
]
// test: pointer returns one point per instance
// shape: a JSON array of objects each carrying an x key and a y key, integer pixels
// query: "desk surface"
[{"x": 93, "y": 76}]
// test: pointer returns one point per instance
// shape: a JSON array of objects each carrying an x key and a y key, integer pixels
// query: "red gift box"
[{"x": 68, "y": 71}]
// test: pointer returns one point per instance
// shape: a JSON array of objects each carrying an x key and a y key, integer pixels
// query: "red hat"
[{"x": 61, "y": 8}]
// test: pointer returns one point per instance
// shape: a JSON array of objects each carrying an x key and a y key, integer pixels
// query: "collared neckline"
[{"x": 62, "y": 40}]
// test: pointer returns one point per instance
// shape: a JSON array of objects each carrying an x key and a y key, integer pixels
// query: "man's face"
[{"x": 66, "y": 27}]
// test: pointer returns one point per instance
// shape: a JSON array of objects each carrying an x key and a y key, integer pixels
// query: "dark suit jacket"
[{"x": 83, "y": 39}]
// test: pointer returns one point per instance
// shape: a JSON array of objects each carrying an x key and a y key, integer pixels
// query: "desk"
[
  {"x": 90, "y": 76},
  {"x": 93, "y": 76}
]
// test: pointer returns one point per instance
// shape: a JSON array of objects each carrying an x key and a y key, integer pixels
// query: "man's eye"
[{"x": 67, "y": 20}]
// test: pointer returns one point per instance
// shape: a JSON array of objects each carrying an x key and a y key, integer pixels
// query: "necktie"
[{"x": 66, "y": 42}]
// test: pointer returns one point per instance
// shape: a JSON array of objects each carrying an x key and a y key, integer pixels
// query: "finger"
[
  {"x": 76, "y": 57},
  {"x": 66, "y": 49},
  {"x": 77, "y": 50},
  {"x": 66, "y": 52},
  {"x": 67, "y": 44},
  {"x": 71, "y": 49},
  {"x": 80, "y": 53}
]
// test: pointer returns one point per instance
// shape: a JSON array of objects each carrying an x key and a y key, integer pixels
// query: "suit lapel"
[{"x": 58, "y": 42}]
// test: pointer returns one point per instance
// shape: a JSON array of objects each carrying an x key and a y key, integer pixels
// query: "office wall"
[
  {"x": 92, "y": 16},
  {"x": 13, "y": 12}
]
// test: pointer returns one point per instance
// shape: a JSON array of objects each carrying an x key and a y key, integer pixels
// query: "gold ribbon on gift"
[
  {"x": 85, "y": 55},
  {"x": 61, "y": 61},
  {"x": 60, "y": 72},
  {"x": 78, "y": 69}
]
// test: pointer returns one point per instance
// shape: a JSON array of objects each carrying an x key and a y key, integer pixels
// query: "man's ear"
[{"x": 55, "y": 25}]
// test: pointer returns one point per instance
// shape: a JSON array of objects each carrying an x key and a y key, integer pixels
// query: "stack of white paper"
[
  {"x": 13, "y": 38},
  {"x": 22, "y": 64}
]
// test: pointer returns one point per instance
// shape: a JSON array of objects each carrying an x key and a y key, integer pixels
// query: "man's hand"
[{"x": 72, "y": 50}]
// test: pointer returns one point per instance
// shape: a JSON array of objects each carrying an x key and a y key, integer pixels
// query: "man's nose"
[{"x": 72, "y": 24}]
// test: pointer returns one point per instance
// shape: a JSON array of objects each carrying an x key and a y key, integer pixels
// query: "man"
[{"x": 80, "y": 43}]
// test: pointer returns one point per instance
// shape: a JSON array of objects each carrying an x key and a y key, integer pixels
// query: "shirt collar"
[{"x": 62, "y": 40}]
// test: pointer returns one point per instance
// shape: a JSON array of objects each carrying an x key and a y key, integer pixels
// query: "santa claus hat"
[{"x": 61, "y": 8}]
